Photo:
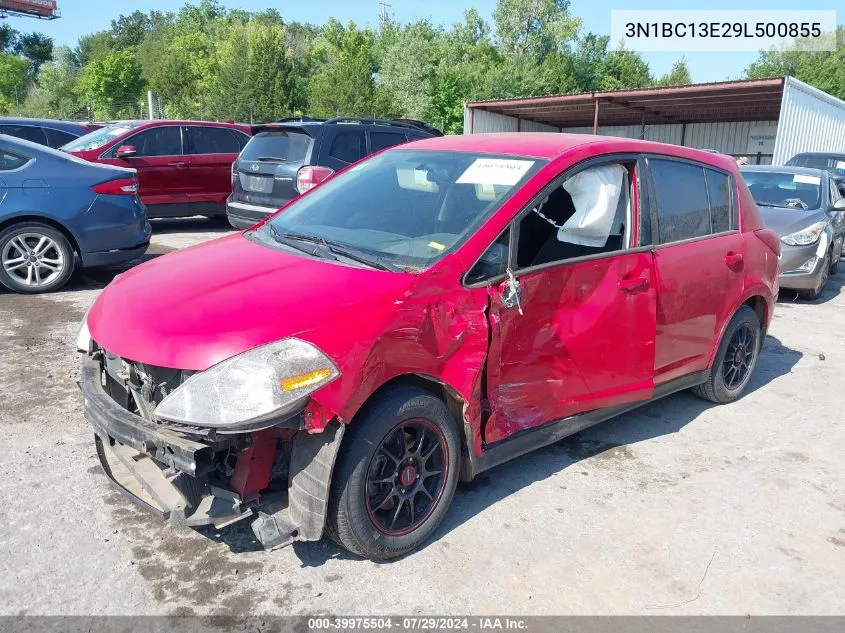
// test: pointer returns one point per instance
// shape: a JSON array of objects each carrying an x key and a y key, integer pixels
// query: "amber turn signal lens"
[{"x": 305, "y": 380}]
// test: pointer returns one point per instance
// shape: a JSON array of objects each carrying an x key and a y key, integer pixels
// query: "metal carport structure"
[{"x": 767, "y": 120}]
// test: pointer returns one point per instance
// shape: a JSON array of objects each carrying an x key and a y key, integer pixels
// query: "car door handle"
[
  {"x": 733, "y": 260},
  {"x": 634, "y": 284}
]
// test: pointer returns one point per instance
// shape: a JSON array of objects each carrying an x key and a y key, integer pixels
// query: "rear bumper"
[
  {"x": 242, "y": 215},
  {"x": 115, "y": 256}
]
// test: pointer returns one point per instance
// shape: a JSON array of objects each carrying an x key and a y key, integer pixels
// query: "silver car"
[{"x": 807, "y": 211}]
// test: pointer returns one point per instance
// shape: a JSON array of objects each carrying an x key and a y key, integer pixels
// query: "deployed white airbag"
[{"x": 595, "y": 194}]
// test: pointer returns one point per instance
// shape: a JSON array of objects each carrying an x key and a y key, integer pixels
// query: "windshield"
[
  {"x": 829, "y": 163},
  {"x": 782, "y": 189},
  {"x": 408, "y": 208},
  {"x": 278, "y": 145},
  {"x": 99, "y": 138}
]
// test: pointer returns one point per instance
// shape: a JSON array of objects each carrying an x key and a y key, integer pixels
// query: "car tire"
[
  {"x": 416, "y": 489},
  {"x": 735, "y": 359},
  {"x": 53, "y": 255},
  {"x": 818, "y": 291},
  {"x": 835, "y": 257}
]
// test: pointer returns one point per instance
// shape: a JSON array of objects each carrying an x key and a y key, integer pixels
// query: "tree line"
[{"x": 209, "y": 62}]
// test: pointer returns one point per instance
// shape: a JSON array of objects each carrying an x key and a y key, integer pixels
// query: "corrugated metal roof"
[{"x": 750, "y": 100}]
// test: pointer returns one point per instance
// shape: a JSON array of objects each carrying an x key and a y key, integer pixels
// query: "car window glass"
[
  {"x": 347, "y": 147},
  {"x": 26, "y": 132},
  {"x": 99, "y": 138},
  {"x": 834, "y": 191},
  {"x": 200, "y": 139},
  {"x": 9, "y": 161},
  {"x": 383, "y": 140},
  {"x": 57, "y": 138},
  {"x": 163, "y": 140},
  {"x": 586, "y": 215},
  {"x": 719, "y": 190},
  {"x": 683, "y": 208},
  {"x": 494, "y": 262},
  {"x": 784, "y": 189},
  {"x": 280, "y": 145}
]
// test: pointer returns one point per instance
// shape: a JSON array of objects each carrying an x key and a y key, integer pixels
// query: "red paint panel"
[
  {"x": 699, "y": 285},
  {"x": 582, "y": 343},
  {"x": 255, "y": 465}
]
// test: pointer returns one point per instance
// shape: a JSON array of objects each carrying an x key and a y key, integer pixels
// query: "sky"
[{"x": 80, "y": 17}]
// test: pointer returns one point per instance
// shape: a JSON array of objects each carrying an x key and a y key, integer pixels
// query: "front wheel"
[
  {"x": 824, "y": 275},
  {"x": 735, "y": 359},
  {"x": 34, "y": 258},
  {"x": 395, "y": 476}
]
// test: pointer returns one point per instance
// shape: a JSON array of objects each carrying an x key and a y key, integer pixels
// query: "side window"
[
  {"x": 383, "y": 140},
  {"x": 57, "y": 138},
  {"x": 588, "y": 214},
  {"x": 493, "y": 262},
  {"x": 347, "y": 147},
  {"x": 834, "y": 191},
  {"x": 9, "y": 161},
  {"x": 164, "y": 140},
  {"x": 201, "y": 139},
  {"x": 26, "y": 132},
  {"x": 719, "y": 190},
  {"x": 683, "y": 208}
]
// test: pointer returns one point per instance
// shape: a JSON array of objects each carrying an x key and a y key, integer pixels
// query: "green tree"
[
  {"x": 408, "y": 68},
  {"x": 8, "y": 37},
  {"x": 36, "y": 47},
  {"x": 534, "y": 27},
  {"x": 92, "y": 47},
  {"x": 113, "y": 84},
  {"x": 14, "y": 80},
  {"x": 622, "y": 68},
  {"x": 54, "y": 92},
  {"x": 824, "y": 69},
  {"x": 678, "y": 76},
  {"x": 343, "y": 82}
]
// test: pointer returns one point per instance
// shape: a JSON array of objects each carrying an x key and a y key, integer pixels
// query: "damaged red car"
[{"x": 419, "y": 318}]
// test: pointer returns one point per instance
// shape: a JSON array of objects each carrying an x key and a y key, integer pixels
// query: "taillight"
[
  {"x": 309, "y": 177},
  {"x": 119, "y": 187},
  {"x": 769, "y": 238},
  {"x": 234, "y": 173}
]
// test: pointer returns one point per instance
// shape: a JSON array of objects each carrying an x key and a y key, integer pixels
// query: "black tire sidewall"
[
  {"x": 349, "y": 487},
  {"x": 61, "y": 241},
  {"x": 745, "y": 315}
]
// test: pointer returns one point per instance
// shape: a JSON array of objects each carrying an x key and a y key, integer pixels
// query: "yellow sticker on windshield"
[{"x": 436, "y": 245}]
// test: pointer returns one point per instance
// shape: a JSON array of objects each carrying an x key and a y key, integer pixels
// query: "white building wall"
[
  {"x": 481, "y": 121},
  {"x": 810, "y": 121}
]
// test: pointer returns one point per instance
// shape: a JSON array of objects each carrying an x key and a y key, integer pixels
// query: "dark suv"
[{"x": 291, "y": 156}]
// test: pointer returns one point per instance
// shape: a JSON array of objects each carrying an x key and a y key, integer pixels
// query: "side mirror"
[
  {"x": 839, "y": 205},
  {"x": 126, "y": 151}
]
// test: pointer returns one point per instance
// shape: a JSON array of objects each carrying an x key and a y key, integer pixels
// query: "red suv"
[
  {"x": 418, "y": 318},
  {"x": 184, "y": 167}
]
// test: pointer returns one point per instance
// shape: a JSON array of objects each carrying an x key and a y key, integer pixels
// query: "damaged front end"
[{"x": 268, "y": 466}]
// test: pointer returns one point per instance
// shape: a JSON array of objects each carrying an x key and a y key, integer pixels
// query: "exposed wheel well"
[
  {"x": 18, "y": 219},
  {"x": 758, "y": 304}
]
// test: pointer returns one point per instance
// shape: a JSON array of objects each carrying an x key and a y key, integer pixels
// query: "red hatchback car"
[
  {"x": 184, "y": 167},
  {"x": 418, "y": 318}
]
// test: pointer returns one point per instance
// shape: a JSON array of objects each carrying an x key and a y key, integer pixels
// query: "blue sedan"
[{"x": 55, "y": 207}]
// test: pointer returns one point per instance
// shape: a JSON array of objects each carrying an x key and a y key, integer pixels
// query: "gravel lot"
[{"x": 680, "y": 507}]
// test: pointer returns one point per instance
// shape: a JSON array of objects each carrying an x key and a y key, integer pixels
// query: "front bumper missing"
[{"x": 166, "y": 471}]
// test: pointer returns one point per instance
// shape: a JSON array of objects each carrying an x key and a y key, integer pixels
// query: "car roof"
[
  {"x": 552, "y": 144},
  {"x": 837, "y": 155},
  {"x": 786, "y": 169},
  {"x": 56, "y": 124},
  {"x": 138, "y": 123}
]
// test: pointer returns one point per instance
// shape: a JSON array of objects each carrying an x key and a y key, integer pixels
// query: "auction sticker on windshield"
[
  {"x": 495, "y": 171},
  {"x": 807, "y": 180}
]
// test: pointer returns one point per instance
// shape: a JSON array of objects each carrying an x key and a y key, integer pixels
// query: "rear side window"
[
  {"x": 26, "y": 132},
  {"x": 9, "y": 161},
  {"x": 278, "y": 145},
  {"x": 719, "y": 190},
  {"x": 164, "y": 140},
  {"x": 57, "y": 138},
  {"x": 200, "y": 139},
  {"x": 348, "y": 147},
  {"x": 383, "y": 140},
  {"x": 683, "y": 208}
]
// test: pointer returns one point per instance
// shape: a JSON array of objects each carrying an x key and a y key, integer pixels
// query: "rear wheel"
[
  {"x": 735, "y": 359},
  {"x": 395, "y": 476},
  {"x": 34, "y": 258}
]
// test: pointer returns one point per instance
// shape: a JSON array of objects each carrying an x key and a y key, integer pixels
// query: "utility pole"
[{"x": 383, "y": 7}]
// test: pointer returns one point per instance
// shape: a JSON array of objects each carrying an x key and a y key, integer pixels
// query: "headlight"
[
  {"x": 83, "y": 339},
  {"x": 262, "y": 384},
  {"x": 806, "y": 236}
]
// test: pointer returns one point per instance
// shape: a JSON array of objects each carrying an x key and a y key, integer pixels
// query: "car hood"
[
  {"x": 198, "y": 306},
  {"x": 786, "y": 221}
]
